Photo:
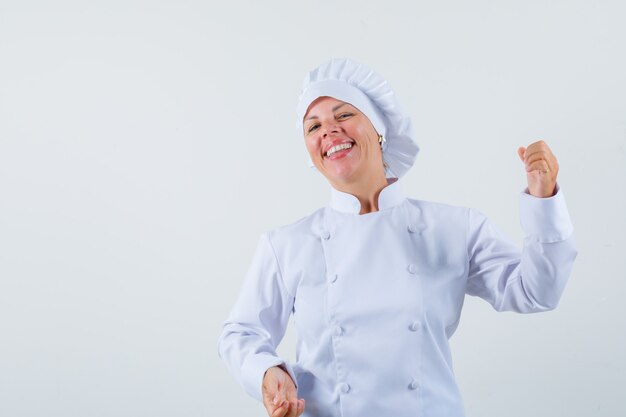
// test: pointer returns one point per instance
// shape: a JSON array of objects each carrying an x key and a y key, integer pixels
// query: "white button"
[
  {"x": 325, "y": 234},
  {"x": 343, "y": 387},
  {"x": 411, "y": 228},
  {"x": 413, "y": 385},
  {"x": 338, "y": 331},
  {"x": 414, "y": 326},
  {"x": 332, "y": 277},
  {"x": 412, "y": 268}
]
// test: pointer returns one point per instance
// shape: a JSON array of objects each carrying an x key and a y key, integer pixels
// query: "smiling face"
[{"x": 342, "y": 142}]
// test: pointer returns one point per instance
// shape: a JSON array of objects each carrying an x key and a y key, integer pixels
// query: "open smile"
[{"x": 339, "y": 150}]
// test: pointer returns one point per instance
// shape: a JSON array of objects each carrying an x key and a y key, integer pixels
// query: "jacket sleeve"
[
  {"x": 531, "y": 280},
  {"x": 257, "y": 322}
]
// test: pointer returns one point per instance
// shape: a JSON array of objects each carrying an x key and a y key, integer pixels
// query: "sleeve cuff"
[{"x": 545, "y": 219}]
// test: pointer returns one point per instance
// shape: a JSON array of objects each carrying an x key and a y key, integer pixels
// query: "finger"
[
  {"x": 290, "y": 409},
  {"x": 269, "y": 396},
  {"x": 280, "y": 411},
  {"x": 294, "y": 407},
  {"x": 520, "y": 152},
  {"x": 272, "y": 395},
  {"x": 284, "y": 386},
  {"x": 300, "y": 408},
  {"x": 283, "y": 393},
  {"x": 276, "y": 410},
  {"x": 547, "y": 156},
  {"x": 536, "y": 161},
  {"x": 534, "y": 153},
  {"x": 538, "y": 144},
  {"x": 539, "y": 147},
  {"x": 540, "y": 166},
  {"x": 552, "y": 165},
  {"x": 288, "y": 396}
]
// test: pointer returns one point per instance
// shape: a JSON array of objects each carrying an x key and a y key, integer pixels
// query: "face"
[{"x": 341, "y": 141}]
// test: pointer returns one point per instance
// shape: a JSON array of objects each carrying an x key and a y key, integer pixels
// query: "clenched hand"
[
  {"x": 280, "y": 397},
  {"x": 541, "y": 169}
]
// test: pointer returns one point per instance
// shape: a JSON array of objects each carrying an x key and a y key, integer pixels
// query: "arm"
[
  {"x": 534, "y": 279},
  {"x": 257, "y": 323},
  {"x": 531, "y": 280}
]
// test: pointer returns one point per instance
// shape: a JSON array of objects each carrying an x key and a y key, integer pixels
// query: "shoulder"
[
  {"x": 445, "y": 217},
  {"x": 448, "y": 220},
  {"x": 297, "y": 232}
]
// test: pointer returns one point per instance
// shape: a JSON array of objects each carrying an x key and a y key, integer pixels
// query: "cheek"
[
  {"x": 311, "y": 145},
  {"x": 362, "y": 131}
]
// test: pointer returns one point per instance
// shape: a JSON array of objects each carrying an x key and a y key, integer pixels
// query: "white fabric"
[
  {"x": 375, "y": 298},
  {"x": 358, "y": 85}
]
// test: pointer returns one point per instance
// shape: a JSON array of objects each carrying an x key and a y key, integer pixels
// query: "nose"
[{"x": 329, "y": 128}]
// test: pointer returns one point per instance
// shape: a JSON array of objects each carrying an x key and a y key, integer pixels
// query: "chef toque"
[{"x": 346, "y": 80}]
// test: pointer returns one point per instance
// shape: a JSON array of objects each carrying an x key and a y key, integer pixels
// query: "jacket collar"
[{"x": 389, "y": 196}]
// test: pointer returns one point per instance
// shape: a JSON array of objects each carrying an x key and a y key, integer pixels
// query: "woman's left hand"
[{"x": 541, "y": 169}]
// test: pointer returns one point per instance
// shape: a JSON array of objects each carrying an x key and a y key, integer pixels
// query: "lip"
[{"x": 335, "y": 143}]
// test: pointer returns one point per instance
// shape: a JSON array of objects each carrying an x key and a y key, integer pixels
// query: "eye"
[
  {"x": 345, "y": 115},
  {"x": 313, "y": 127}
]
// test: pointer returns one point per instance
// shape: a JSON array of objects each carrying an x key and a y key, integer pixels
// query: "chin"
[
  {"x": 342, "y": 177},
  {"x": 340, "y": 173}
]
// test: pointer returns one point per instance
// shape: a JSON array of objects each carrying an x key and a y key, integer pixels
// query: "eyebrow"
[{"x": 334, "y": 109}]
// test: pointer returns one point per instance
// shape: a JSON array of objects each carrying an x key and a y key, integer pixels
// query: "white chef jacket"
[{"x": 375, "y": 298}]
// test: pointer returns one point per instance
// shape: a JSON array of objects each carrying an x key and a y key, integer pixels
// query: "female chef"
[{"x": 375, "y": 281}]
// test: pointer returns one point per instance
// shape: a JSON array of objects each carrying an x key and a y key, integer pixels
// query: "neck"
[{"x": 366, "y": 190}]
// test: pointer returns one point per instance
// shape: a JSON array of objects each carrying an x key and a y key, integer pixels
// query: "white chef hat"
[{"x": 358, "y": 85}]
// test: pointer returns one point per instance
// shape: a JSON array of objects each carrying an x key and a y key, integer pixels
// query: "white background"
[{"x": 145, "y": 146}]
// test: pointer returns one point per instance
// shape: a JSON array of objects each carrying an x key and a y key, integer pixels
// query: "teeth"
[{"x": 338, "y": 148}]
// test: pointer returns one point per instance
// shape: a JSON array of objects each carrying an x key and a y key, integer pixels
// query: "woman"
[{"x": 376, "y": 281}]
